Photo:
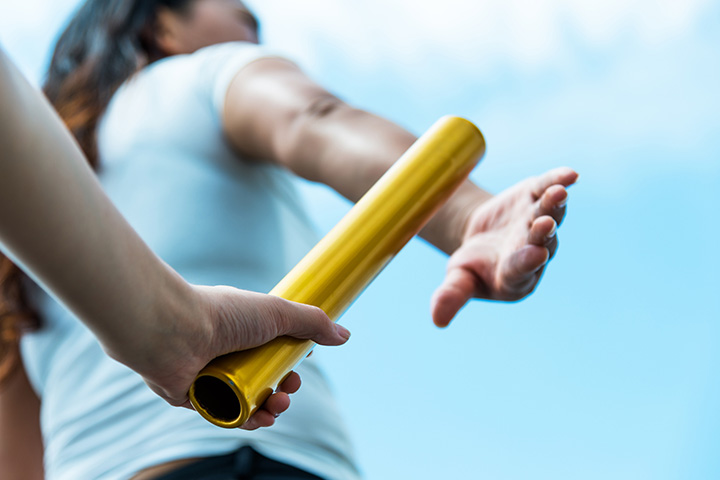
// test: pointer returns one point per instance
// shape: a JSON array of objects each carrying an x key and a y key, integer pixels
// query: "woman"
[{"x": 193, "y": 129}]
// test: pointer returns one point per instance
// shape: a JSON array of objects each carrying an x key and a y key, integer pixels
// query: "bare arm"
[
  {"x": 21, "y": 447},
  {"x": 499, "y": 248},
  {"x": 56, "y": 221},
  {"x": 274, "y": 111},
  {"x": 61, "y": 228}
]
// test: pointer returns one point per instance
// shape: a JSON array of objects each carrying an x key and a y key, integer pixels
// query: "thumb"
[
  {"x": 457, "y": 288},
  {"x": 310, "y": 323}
]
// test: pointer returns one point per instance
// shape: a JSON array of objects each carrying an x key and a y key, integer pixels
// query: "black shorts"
[{"x": 243, "y": 464}]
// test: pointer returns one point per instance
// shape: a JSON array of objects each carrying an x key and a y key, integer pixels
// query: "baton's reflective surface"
[{"x": 331, "y": 276}]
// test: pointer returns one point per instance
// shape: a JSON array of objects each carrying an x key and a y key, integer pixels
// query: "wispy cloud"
[
  {"x": 374, "y": 33},
  {"x": 522, "y": 33}
]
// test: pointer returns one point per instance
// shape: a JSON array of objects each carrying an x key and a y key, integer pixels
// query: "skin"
[
  {"x": 21, "y": 452},
  {"x": 499, "y": 245},
  {"x": 207, "y": 23}
]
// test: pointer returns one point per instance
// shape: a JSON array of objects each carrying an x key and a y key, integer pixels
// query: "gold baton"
[{"x": 332, "y": 275}]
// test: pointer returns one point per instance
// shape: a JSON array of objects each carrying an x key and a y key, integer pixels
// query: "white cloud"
[
  {"x": 375, "y": 33},
  {"x": 523, "y": 33},
  {"x": 652, "y": 20}
]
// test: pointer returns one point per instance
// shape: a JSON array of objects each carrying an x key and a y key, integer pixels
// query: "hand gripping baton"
[{"x": 332, "y": 275}]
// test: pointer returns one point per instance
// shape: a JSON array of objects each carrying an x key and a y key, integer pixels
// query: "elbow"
[
  {"x": 321, "y": 107},
  {"x": 311, "y": 118},
  {"x": 311, "y": 135}
]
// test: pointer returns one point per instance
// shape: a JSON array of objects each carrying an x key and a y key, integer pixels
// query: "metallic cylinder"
[{"x": 332, "y": 275}]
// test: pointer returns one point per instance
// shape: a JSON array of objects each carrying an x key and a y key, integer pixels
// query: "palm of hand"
[{"x": 508, "y": 241}]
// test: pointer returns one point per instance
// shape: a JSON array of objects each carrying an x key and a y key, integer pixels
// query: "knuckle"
[
  {"x": 317, "y": 319},
  {"x": 279, "y": 315},
  {"x": 320, "y": 316}
]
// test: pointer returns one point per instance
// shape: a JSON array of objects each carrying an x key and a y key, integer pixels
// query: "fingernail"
[
  {"x": 343, "y": 332},
  {"x": 552, "y": 232},
  {"x": 562, "y": 202}
]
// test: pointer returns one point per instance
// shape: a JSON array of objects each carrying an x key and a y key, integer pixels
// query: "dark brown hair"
[{"x": 105, "y": 43}]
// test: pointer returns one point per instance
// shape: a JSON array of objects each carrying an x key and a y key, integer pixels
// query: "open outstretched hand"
[{"x": 507, "y": 242}]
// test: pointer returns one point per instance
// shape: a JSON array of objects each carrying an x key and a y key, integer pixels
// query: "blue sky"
[{"x": 611, "y": 369}]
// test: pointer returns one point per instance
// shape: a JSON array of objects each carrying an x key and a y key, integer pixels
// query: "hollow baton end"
[{"x": 218, "y": 400}]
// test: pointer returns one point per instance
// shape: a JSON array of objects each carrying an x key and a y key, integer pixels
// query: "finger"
[
  {"x": 552, "y": 246},
  {"x": 542, "y": 230},
  {"x": 308, "y": 322},
  {"x": 551, "y": 201},
  {"x": 291, "y": 384},
  {"x": 558, "y": 176},
  {"x": 518, "y": 273},
  {"x": 277, "y": 403},
  {"x": 261, "y": 418},
  {"x": 459, "y": 286}
]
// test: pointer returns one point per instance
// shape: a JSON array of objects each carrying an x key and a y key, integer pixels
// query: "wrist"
[
  {"x": 468, "y": 214},
  {"x": 167, "y": 328},
  {"x": 449, "y": 227}
]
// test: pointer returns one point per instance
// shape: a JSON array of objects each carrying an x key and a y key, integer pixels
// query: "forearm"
[
  {"x": 349, "y": 149},
  {"x": 58, "y": 224}
]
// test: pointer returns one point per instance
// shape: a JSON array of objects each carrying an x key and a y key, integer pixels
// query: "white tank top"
[{"x": 217, "y": 220}]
